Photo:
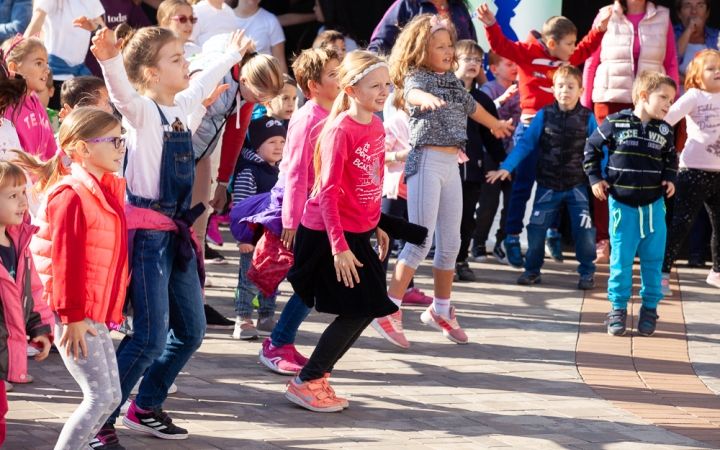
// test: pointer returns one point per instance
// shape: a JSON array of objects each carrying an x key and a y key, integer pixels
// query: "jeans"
[
  {"x": 547, "y": 204},
  {"x": 247, "y": 291},
  {"x": 287, "y": 326}
]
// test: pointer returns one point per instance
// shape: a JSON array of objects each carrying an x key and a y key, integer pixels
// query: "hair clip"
[{"x": 437, "y": 24}]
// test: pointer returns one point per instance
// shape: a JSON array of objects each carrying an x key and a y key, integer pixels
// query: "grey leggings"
[
  {"x": 435, "y": 202},
  {"x": 97, "y": 375}
]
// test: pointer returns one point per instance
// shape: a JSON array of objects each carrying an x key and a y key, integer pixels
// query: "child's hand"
[
  {"x": 238, "y": 42},
  {"x": 504, "y": 129},
  {"x": 220, "y": 198},
  {"x": 219, "y": 89},
  {"x": 246, "y": 248},
  {"x": 288, "y": 238},
  {"x": 104, "y": 46},
  {"x": 74, "y": 337},
  {"x": 63, "y": 113},
  {"x": 600, "y": 188},
  {"x": 485, "y": 15},
  {"x": 512, "y": 90},
  {"x": 345, "y": 263},
  {"x": 383, "y": 243},
  {"x": 494, "y": 175},
  {"x": 670, "y": 188},
  {"x": 86, "y": 24},
  {"x": 605, "y": 18},
  {"x": 429, "y": 101},
  {"x": 45, "y": 340}
]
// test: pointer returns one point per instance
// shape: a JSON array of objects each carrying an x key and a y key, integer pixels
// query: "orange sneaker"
[
  {"x": 390, "y": 327},
  {"x": 312, "y": 395},
  {"x": 331, "y": 391}
]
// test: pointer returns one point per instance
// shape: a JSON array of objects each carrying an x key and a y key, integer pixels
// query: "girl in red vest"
[{"x": 81, "y": 254}]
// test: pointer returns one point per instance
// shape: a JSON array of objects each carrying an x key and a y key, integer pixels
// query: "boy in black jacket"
[
  {"x": 472, "y": 172},
  {"x": 641, "y": 169}
]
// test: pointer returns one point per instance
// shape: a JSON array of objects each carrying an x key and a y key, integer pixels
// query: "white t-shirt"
[
  {"x": 9, "y": 139},
  {"x": 702, "y": 148},
  {"x": 211, "y": 21},
  {"x": 141, "y": 119},
  {"x": 264, "y": 28},
  {"x": 192, "y": 49},
  {"x": 61, "y": 38}
]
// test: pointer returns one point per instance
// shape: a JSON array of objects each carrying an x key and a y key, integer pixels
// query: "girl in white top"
[
  {"x": 12, "y": 92},
  {"x": 214, "y": 17},
  {"x": 178, "y": 16},
  {"x": 264, "y": 28},
  {"x": 698, "y": 179}
]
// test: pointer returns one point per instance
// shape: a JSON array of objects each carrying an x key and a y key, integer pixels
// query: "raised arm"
[
  {"x": 682, "y": 107},
  {"x": 36, "y": 23}
]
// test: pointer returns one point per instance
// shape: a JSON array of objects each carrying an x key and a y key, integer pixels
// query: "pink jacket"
[{"x": 33, "y": 127}]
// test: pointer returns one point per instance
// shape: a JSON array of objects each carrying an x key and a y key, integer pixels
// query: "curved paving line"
[{"x": 651, "y": 378}]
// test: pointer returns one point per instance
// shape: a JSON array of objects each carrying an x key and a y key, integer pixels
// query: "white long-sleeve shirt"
[
  {"x": 702, "y": 148},
  {"x": 141, "y": 119}
]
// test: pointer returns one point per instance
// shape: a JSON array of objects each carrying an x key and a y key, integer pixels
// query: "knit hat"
[{"x": 264, "y": 128}]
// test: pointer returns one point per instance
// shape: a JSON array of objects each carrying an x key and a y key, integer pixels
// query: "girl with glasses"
[{"x": 177, "y": 15}]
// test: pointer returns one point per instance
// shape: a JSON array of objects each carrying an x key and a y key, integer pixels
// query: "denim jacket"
[
  {"x": 712, "y": 39},
  {"x": 14, "y": 17}
]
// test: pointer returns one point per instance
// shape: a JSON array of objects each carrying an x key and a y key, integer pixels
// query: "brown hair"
[
  {"x": 12, "y": 90},
  {"x": 82, "y": 124},
  {"x": 11, "y": 174},
  {"x": 81, "y": 91},
  {"x": 141, "y": 49},
  {"x": 623, "y": 4},
  {"x": 693, "y": 77},
  {"x": 21, "y": 49},
  {"x": 568, "y": 71},
  {"x": 557, "y": 28},
  {"x": 493, "y": 59},
  {"x": 327, "y": 38},
  {"x": 310, "y": 64},
  {"x": 410, "y": 52},
  {"x": 287, "y": 79},
  {"x": 650, "y": 82},
  {"x": 468, "y": 47},
  {"x": 679, "y": 3},
  {"x": 167, "y": 9}
]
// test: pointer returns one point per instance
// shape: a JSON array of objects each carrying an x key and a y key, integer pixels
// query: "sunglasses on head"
[
  {"x": 184, "y": 19},
  {"x": 119, "y": 142}
]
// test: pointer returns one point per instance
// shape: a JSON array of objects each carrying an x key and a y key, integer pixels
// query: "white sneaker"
[
  {"x": 32, "y": 351},
  {"x": 173, "y": 388},
  {"x": 665, "y": 285},
  {"x": 713, "y": 279},
  {"x": 208, "y": 282},
  {"x": 8, "y": 386}
]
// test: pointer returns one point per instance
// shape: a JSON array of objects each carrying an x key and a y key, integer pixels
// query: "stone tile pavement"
[{"x": 516, "y": 385}]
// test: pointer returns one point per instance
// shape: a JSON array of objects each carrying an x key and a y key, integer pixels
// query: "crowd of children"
[{"x": 105, "y": 190}]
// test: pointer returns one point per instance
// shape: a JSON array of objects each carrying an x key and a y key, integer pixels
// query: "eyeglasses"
[
  {"x": 469, "y": 59},
  {"x": 700, "y": 7},
  {"x": 119, "y": 142},
  {"x": 183, "y": 19}
]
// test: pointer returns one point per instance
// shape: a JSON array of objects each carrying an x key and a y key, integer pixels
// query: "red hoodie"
[{"x": 536, "y": 65}]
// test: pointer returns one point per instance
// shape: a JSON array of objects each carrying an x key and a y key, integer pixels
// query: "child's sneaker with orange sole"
[
  {"x": 448, "y": 325},
  {"x": 312, "y": 395}
]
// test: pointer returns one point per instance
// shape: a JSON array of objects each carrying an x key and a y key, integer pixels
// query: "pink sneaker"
[
  {"x": 224, "y": 219},
  {"x": 713, "y": 278},
  {"x": 416, "y": 297},
  {"x": 279, "y": 360},
  {"x": 390, "y": 327},
  {"x": 345, "y": 403},
  {"x": 448, "y": 325},
  {"x": 213, "y": 232},
  {"x": 299, "y": 358},
  {"x": 602, "y": 251}
]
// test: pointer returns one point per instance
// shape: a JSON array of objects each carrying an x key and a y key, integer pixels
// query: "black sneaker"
[
  {"x": 586, "y": 282},
  {"x": 616, "y": 322},
  {"x": 213, "y": 256},
  {"x": 217, "y": 321},
  {"x": 479, "y": 253},
  {"x": 696, "y": 260},
  {"x": 647, "y": 321},
  {"x": 529, "y": 277},
  {"x": 157, "y": 423},
  {"x": 499, "y": 253},
  {"x": 463, "y": 272},
  {"x": 106, "y": 439}
]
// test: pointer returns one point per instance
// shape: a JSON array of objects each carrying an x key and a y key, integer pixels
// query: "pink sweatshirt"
[
  {"x": 591, "y": 65},
  {"x": 297, "y": 162},
  {"x": 34, "y": 128},
  {"x": 353, "y": 162}
]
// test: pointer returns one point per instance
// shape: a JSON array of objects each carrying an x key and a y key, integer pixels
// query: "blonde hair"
[
  {"x": 568, "y": 71},
  {"x": 650, "y": 82},
  {"x": 11, "y": 174},
  {"x": 167, "y": 9},
  {"x": 310, "y": 64},
  {"x": 354, "y": 64},
  {"x": 82, "y": 124},
  {"x": 21, "y": 49},
  {"x": 263, "y": 73},
  {"x": 141, "y": 49},
  {"x": 693, "y": 77},
  {"x": 410, "y": 52}
]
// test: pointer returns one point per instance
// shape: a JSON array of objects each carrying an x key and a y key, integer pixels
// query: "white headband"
[{"x": 361, "y": 75}]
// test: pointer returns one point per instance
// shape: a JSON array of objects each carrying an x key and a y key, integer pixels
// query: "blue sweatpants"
[{"x": 642, "y": 231}]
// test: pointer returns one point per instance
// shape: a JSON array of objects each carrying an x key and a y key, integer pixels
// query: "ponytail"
[{"x": 45, "y": 174}]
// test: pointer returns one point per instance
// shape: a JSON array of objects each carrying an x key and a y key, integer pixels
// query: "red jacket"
[{"x": 536, "y": 65}]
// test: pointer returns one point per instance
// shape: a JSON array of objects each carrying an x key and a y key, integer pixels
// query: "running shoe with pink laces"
[
  {"x": 312, "y": 395},
  {"x": 279, "y": 359},
  {"x": 416, "y": 297},
  {"x": 345, "y": 403},
  {"x": 390, "y": 327},
  {"x": 448, "y": 325},
  {"x": 713, "y": 278}
]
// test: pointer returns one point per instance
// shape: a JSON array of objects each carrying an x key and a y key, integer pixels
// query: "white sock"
[
  {"x": 408, "y": 290},
  {"x": 397, "y": 301},
  {"x": 441, "y": 306}
]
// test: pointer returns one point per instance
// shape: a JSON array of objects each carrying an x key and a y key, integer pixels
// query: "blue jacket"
[
  {"x": 14, "y": 17},
  {"x": 712, "y": 39},
  {"x": 402, "y": 11}
]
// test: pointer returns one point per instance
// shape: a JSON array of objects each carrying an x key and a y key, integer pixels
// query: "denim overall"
[{"x": 169, "y": 318}]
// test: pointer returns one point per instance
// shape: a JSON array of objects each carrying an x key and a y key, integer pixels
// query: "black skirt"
[{"x": 313, "y": 276}]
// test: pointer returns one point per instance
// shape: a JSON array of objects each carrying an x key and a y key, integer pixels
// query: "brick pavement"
[{"x": 515, "y": 386}]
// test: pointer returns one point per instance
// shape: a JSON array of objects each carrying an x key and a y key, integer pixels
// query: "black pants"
[
  {"x": 692, "y": 189},
  {"x": 54, "y": 102},
  {"x": 489, "y": 203},
  {"x": 700, "y": 234},
  {"x": 335, "y": 341},
  {"x": 470, "y": 197},
  {"x": 396, "y": 208}
]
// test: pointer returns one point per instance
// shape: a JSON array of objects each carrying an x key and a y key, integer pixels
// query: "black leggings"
[
  {"x": 396, "y": 208},
  {"x": 335, "y": 341},
  {"x": 693, "y": 188}
]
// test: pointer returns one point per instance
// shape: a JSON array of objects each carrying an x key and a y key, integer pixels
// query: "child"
[
  {"x": 28, "y": 58},
  {"x": 480, "y": 141},
  {"x": 697, "y": 180},
  {"x": 256, "y": 173},
  {"x": 560, "y": 130},
  {"x": 263, "y": 27},
  {"x": 213, "y": 17},
  {"x": 537, "y": 60},
  {"x": 422, "y": 65},
  {"x": 177, "y": 15},
  {"x": 503, "y": 89},
  {"x": 85, "y": 90},
  {"x": 13, "y": 89},
  {"x": 282, "y": 107},
  {"x": 641, "y": 170},
  {"x": 44, "y": 96},
  {"x": 332, "y": 39},
  {"x": 67, "y": 26},
  {"x": 81, "y": 253},
  {"x": 169, "y": 323}
]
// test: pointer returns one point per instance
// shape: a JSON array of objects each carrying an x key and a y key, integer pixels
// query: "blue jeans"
[
  {"x": 292, "y": 316},
  {"x": 640, "y": 231},
  {"x": 246, "y": 292},
  {"x": 547, "y": 204}
]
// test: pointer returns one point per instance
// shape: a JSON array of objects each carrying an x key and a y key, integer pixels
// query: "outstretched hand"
[
  {"x": 504, "y": 129},
  {"x": 607, "y": 12},
  {"x": 485, "y": 15},
  {"x": 85, "y": 23},
  {"x": 429, "y": 101},
  {"x": 494, "y": 175},
  {"x": 599, "y": 189},
  {"x": 45, "y": 341},
  {"x": 238, "y": 42},
  {"x": 104, "y": 45},
  {"x": 219, "y": 89}
]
